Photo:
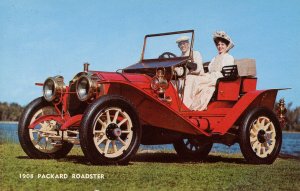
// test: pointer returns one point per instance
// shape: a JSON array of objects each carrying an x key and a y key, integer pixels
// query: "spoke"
[
  {"x": 257, "y": 122},
  {"x": 125, "y": 131},
  {"x": 46, "y": 142},
  {"x": 252, "y": 133},
  {"x": 265, "y": 145},
  {"x": 108, "y": 117},
  {"x": 263, "y": 122},
  {"x": 255, "y": 145},
  {"x": 101, "y": 140},
  {"x": 267, "y": 126},
  {"x": 101, "y": 132},
  {"x": 106, "y": 146},
  {"x": 101, "y": 122},
  {"x": 121, "y": 141},
  {"x": 255, "y": 127},
  {"x": 269, "y": 132},
  {"x": 116, "y": 116},
  {"x": 258, "y": 149},
  {"x": 252, "y": 139},
  {"x": 123, "y": 121},
  {"x": 114, "y": 146},
  {"x": 260, "y": 120}
]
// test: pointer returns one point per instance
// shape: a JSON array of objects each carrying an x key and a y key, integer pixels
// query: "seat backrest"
[
  {"x": 230, "y": 72},
  {"x": 246, "y": 67}
]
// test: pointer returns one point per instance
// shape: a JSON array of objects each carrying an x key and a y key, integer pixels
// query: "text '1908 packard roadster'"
[{"x": 109, "y": 114}]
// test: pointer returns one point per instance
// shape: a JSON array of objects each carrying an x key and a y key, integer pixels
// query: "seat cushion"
[{"x": 246, "y": 67}]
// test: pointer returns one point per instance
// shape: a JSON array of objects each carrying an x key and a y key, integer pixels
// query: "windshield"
[{"x": 156, "y": 45}]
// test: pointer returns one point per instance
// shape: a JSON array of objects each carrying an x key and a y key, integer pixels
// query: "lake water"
[{"x": 290, "y": 145}]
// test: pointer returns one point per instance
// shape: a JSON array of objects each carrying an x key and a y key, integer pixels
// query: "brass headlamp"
[
  {"x": 53, "y": 88},
  {"x": 86, "y": 87}
]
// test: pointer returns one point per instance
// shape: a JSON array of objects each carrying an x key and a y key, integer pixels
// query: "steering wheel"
[{"x": 167, "y": 55}]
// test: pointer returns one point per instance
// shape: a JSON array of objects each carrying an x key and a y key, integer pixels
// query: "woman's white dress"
[{"x": 201, "y": 88}]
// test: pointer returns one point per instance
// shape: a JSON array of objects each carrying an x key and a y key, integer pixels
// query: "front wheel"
[
  {"x": 110, "y": 131},
  {"x": 260, "y": 136},
  {"x": 192, "y": 149},
  {"x": 39, "y": 142}
]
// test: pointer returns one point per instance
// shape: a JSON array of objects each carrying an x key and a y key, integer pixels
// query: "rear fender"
[{"x": 259, "y": 98}]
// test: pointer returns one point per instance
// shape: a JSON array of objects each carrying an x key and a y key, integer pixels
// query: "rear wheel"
[
  {"x": 192, "y": 149},
  {"x": 110, "y": 131},
  {"x": 38, "y": 142},
  {"x": 260, "y": 136}
]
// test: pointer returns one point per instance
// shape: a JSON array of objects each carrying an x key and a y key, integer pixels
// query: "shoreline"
[
  {"x": 16, "y": 122},
  {"x": 291, "y": 132},
  {"x": 9, "y": 122}
]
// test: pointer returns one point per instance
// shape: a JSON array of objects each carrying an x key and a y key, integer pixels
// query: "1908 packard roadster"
[{"x": 109, "y": 114}]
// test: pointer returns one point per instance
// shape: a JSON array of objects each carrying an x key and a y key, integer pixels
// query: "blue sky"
[{"x": 39, "y": 39}]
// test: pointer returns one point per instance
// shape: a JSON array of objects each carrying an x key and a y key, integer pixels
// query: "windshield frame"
[{"x": 165, "y": 34}]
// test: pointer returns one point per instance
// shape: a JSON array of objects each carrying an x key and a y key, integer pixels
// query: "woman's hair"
[{"x": 218, "y": 39}]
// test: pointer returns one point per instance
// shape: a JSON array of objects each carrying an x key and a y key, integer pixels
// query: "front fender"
[{"x": 153, "y": 111}]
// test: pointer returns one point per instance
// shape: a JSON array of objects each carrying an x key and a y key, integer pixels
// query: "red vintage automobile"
[{"x": 109, "y": 114}]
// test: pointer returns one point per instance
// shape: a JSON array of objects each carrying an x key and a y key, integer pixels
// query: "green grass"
[{"x": 148, "y": 171}]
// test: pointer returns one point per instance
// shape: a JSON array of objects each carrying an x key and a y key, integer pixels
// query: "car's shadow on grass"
[
  {"x": 174, "y": 158},
  {"x": 154, "y": 158},
  {"x": 70, "y": 158}
]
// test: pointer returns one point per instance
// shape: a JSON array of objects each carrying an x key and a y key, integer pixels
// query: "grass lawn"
[{"x": 147, "y": 171}]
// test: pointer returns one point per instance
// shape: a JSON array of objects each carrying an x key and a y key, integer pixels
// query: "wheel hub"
[
  {"x": 44, "y": 136},
  {"x": 113, "y": 131},
  {"x": 261, "y": 136}
]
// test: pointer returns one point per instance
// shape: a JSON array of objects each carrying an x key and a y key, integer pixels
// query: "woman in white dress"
[{"x": 205, "y": 85}]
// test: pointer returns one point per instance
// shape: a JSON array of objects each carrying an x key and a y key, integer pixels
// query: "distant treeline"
[
  {"x": 293, "y": 118},
  {"x": 12, "y": 112}
]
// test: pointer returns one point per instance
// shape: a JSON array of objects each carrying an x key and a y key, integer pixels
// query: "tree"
[
  {"x": 293, "y": 118},
  {"x": 10, "y": 112}
]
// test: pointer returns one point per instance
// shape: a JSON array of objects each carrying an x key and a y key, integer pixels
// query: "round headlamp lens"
[
  {"x": 49, "y": 90},
  {"x": 83, "y": 88}
]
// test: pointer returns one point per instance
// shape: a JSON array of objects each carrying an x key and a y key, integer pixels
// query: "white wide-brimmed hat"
[
  {"x": 223, "y": 35},
  {"x": 182, "y": 39}
]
